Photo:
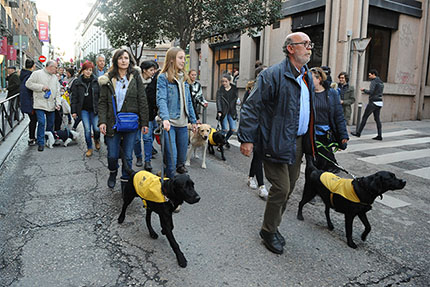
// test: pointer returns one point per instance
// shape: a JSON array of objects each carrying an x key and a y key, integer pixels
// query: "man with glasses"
[
  {"x": 278, "y": 117},
  {"x": 46, "y": 98}
]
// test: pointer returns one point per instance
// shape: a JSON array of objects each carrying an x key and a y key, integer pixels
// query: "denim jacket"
[{"x": 168, "y": 100}]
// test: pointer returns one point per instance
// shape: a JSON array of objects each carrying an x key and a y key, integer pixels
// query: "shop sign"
[
  {"x": 218, "y": 39},
  {"x": 11, "y": 53}
]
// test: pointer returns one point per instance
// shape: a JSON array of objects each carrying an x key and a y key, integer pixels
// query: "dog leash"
[
  {"x": 337, "y": 165},
  {"x": 160, "y": 131}
]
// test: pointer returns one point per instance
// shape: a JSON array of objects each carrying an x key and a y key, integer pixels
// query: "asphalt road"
[{"x": 58, "y": 227}]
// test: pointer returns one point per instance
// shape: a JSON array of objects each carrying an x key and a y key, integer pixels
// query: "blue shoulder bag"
[{"x": 125, "y": 122}]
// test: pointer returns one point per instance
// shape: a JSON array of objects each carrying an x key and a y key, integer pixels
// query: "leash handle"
[{"x": 161, "y": 132}]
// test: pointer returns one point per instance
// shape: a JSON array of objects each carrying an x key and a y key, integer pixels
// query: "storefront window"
[
  {"x": 378, "y": 51},
  {"x": 226, "y": 62}
]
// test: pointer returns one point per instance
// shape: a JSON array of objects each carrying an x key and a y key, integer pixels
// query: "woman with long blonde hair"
[{"x": 175, "y": 109}]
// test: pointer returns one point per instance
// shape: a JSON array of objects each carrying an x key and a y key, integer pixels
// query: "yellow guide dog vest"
[
  {"x": 148, "y": 187},
  {"x": 341, "y": 186},
  {"x": 211, "y": 139}
]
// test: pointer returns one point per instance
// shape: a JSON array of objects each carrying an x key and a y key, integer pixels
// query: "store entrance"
[{"x": 226, "y": 62}]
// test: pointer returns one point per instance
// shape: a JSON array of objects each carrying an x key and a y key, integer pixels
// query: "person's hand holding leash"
[
  {"x": 102, "y": 128},
  {"x": 145, "y": 130}
]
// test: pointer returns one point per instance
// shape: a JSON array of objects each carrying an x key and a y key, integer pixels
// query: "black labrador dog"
[
  {"x": 174, "y": 192},
  {"x": 366, "y": 190},
  {"x": 216, "y": 138}
]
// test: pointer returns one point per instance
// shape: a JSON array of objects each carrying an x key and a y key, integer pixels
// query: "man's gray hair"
[
  {"x": 100, "y": 56},
  {"x": 288, "y": 41},
  {"x": 50, "y": 63}
]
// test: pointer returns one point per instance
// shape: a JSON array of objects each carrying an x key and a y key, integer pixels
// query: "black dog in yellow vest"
[
  {"x": 216, "y": 138},
  {"x": 352, "y": 197},
  {"x": 160, "y": 198}
]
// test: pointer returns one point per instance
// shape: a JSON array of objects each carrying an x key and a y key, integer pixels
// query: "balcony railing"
[{"x": 11, "y": 115}]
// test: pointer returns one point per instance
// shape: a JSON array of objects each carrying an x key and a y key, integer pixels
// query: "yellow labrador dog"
[{"x": 198, "y": 139}]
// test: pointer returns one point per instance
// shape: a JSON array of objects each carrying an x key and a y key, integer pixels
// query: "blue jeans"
[
  {"x": 114, "y": 144},
  {"x": 179, "y": 140},
  {"x": 231, "y": 123},
  {"x": 42, "y": 125},
  {"x": 90, "y": 120},
  {"x": 147, "y": 142}
]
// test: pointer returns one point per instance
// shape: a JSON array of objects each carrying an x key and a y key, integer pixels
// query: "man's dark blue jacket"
[
  {"x": 25, "y": 94},
  {"x": 270, "y": 116}
]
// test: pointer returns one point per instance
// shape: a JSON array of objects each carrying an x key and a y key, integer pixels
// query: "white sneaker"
[
  {"x": 251, "y": 183},
  {"x": 262, "y": 192}
]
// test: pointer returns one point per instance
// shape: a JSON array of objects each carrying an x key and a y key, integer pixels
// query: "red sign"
[
  {"x": 11, "y": 53},
  {"x": 43, "y": 31},
  {"x": 42, "y": 59},
  {"x": 3, "y": 46}
]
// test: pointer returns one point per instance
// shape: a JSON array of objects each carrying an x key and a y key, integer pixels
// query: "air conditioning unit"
[{"x": 13, "y": 4}]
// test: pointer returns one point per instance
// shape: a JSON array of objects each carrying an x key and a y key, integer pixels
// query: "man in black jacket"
[
  {"x": 279, "y": 115},
  {"x": 375, "y": 104}
]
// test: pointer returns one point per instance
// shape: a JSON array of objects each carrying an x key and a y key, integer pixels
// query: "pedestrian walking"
[
  {"x": 226, "y": 101},
  {"x": 175, "y": 110},
  {"x": 85, "y": 100},
  {"x": 346, "y": 93},
  {"x": 26, "y": 100},
  {"x": 375, "y": 104},
  {"x": 330, "y": 126},
  {"x": 280, "y": 122},
  {"x": 13, "y": 86},
  {"x": 46, "y": 99},
  {"x": 121, "y": 91},
  {"x": 100, "y": 68},
  {"x": 199, "y": 101},
  {"x": 148, "y": 69}
]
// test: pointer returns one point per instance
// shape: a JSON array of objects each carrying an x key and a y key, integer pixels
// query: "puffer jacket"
[
  {"x": 79, "y": 89},
  {"x": 272, "y": 112},
  {"x": 375, "y": 90},
  {"x": 134, "y": 102}
]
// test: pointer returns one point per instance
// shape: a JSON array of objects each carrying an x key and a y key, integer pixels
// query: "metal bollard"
[{"x": 360, "y": 106}]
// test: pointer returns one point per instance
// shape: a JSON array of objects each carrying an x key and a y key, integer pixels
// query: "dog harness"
[
  {"x": 148, "y": 187},
  {"x": 340, "y": 186},
  {"x": 211, "y": 139}
]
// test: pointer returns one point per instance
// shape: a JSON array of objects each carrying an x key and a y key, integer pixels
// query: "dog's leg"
[
  {"x": 189, "y": 153},
  {"x": 308, "y": 194},
  {"x": 167, "y": 228},
  {"x": 349, "y": 218},
  {"x": 152, "y": 233},
  {"x": 204, "y": 155},
  {"x": 327, "y": 216},
  {"x": 222, "y": 152},
  {"x": 367, "y": 228},
  {"x": 129, "y": 195},
  {"x": 211, "y": 149}
]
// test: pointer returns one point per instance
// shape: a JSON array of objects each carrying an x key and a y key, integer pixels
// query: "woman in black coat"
[
  {"x": 85, "y": 98},
  {"x": 26, "y": 100},
  {"x": 226, "y": 100}
]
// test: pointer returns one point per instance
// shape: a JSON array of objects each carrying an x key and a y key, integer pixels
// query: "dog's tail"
[{"x": 127, "y": 168}]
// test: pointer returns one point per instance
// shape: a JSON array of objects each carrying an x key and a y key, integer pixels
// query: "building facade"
[{"x": 353, "y": 36}]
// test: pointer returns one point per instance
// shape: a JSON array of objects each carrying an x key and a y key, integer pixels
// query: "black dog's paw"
[
  {"x": 121, "y": 219},
  {"x": 352, "y": 244},
  {"x": 300, "y": 217},
  {"x": 181, "y": 260},
  {"x": 153, "y": 235},
  {"x": 330, "y": 226},
  {"x": 223, "y": 158},
  {"x": 364, "y": 235}
]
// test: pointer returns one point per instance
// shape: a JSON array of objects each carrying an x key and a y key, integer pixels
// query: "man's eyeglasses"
[{"x": 306, "y": 44}]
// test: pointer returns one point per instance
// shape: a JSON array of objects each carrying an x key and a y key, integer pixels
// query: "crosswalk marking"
[
  {"x": 396, "y": 156},
  {"x": 391, "y": 201},
  {"x": 421, "y": 172},
  {"x": 386, "y": 135},
  {"x": 385, "y": 144}
]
